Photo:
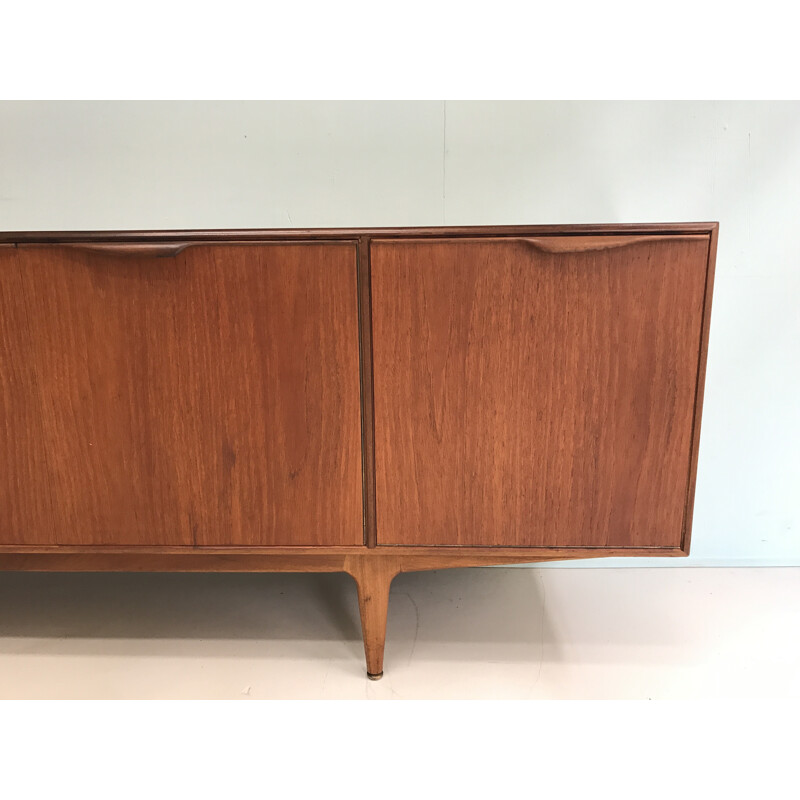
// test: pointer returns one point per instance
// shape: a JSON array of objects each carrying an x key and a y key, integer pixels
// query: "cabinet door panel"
[
  {"x": 535, "y": 392},
  {"x": 202, "y": 397}
]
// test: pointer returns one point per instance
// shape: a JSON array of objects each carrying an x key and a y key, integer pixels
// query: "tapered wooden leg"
[{"x": 373, "y": 576}]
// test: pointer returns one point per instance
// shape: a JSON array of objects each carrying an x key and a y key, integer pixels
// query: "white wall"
[{"x": 192, "y": 165}]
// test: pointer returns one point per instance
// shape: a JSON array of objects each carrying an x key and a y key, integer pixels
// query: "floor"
[{"x": 472, "y": 633}]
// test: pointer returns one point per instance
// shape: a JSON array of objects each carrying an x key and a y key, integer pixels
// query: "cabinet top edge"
[{"x": 305, "y": 234}]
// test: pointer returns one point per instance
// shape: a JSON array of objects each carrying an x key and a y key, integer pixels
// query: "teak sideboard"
[{"x": 367, "y": 401}]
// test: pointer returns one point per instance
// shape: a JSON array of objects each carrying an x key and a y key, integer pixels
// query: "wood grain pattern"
[
  {"x": 535, "y": 396},
  {"x": 201, "y": 397}
]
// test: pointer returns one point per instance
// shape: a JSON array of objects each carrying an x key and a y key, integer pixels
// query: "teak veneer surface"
[
  {"x": 203, "y": 395},
  {"x": 535, "y": 391}
]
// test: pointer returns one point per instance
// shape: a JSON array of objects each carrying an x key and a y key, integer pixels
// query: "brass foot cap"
[{"x": 376, "y": 676}]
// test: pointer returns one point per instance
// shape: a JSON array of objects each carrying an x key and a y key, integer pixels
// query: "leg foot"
[{"x": 373, "y": 576}]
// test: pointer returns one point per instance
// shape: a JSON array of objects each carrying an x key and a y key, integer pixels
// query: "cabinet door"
[
  {"x": 202, "y": 397},
  {"x": 536, "y": 392}
]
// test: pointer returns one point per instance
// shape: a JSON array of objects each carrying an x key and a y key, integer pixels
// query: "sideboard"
[{"x": 371, "y": 401}]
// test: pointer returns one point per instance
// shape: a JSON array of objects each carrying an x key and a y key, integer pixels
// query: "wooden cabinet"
[{"x": 370, "y": 401}]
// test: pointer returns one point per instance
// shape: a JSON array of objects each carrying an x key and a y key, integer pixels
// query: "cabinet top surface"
[{"x": 254, "y": 234}]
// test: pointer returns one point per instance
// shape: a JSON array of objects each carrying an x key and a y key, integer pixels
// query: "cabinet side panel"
[
  {"x": 535, "y": 392},
  {"x": 208, "y": 397}
]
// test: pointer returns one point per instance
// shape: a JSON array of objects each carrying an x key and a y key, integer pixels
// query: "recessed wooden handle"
[
  {"x": 157, "y": 250},
  {"x": 580, "y": 244}
]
